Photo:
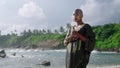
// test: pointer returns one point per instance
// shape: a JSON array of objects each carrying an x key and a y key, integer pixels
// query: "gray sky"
[{"x": 51, "y": 14}]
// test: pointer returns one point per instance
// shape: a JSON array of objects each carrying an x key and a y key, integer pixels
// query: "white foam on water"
[
  {"x": 11, "y": 56},
  {"x": 116, "y": 66},
  {"x": 62, "y": 50},
  {"x": 13, "y": 50},
  {"x": 36, "y": 50},
  {"x": 94, "y": 51},
  {"x": 108, "y": 52},
  {"x": 30, "y": 56},
  {"x": 21, "y": 50}
]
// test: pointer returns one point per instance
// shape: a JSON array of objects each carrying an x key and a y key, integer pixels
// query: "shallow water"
[{"x": 32, "y": 59}]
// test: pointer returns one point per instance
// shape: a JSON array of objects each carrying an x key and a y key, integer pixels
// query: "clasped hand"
[{"x": 74, "y": 36}]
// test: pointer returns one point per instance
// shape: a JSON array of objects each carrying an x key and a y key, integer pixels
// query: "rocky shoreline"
[{"x": 32, "y": 47}]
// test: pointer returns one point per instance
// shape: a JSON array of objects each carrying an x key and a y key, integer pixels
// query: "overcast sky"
[{"x": 51, "y": 14}]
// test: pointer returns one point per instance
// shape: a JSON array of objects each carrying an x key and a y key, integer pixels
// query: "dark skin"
[{"x": 78, "y": 19}]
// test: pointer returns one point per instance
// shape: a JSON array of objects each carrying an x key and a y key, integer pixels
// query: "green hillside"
[{"x": 107, "y": 38}]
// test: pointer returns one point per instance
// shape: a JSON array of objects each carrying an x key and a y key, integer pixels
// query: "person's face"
[{"x": 77, "y": 17}]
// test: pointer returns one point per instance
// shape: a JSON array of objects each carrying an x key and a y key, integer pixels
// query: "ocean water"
[{"x": 32, "y": 59}]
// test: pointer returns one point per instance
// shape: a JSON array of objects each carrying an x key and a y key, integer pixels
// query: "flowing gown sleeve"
[
  {"x": 90, "y": 35},
  {"x": 67, "y": 35},
  {"x": 68, "y": 50}
]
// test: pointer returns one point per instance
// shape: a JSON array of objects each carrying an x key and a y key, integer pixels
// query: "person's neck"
[{"x": 80, "y": 22}]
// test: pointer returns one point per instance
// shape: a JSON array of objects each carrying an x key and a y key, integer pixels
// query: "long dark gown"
[
  {"x": 72, "y": 54},
  {"x": 78, "y": 52}
]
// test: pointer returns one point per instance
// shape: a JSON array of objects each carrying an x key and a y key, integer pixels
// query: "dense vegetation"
[
  {"x": 34, "y": 39},
  {"x": 107, "y": 38}
]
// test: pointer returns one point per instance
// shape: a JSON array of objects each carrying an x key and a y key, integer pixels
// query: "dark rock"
[
  {"x": 46, "y": 63},
  {"x": 118, "y": 50},
  {"x": 14, "y": 54},
  {"x": 22, "y": 56},
  {"x": 2, "y": 54},
  {"x": 34, "y": 46}
]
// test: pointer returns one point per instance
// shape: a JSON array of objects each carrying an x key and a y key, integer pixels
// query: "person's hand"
[
  {"x": 66, "y": 43},
  {"x": 75, "y": 34},
  {"x": 69, "y": 39},
  {"x": 78, "y": 35}
]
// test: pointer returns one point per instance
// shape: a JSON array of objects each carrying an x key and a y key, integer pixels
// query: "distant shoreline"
[
  {"x": 116, "y": 66},
  {"x": 42, "y": 49},
  {"x": 19, "y": 49}
]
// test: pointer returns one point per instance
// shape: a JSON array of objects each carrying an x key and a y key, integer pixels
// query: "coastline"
[
  {"x": 45, "y": 49},
  {"x": 30, "y": 50},
  {"x": 116, "y": 66}
]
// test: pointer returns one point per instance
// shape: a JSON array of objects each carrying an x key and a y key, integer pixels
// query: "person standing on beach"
[{"x": 80, "y": 41}]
